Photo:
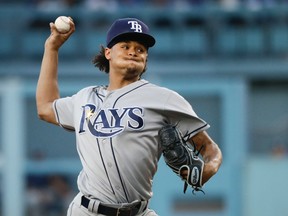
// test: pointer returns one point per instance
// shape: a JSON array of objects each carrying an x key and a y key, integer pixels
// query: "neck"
[{"x": 117, "y": 82}]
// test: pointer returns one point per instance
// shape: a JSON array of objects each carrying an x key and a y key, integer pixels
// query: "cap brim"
[{"x": 145, "y": 39}]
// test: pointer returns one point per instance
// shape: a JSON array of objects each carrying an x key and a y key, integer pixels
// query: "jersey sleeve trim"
[
  {"x": 202, "y": 128},
  {"x": 68, "y": 128},
  {"x": 187, "y": 113}
]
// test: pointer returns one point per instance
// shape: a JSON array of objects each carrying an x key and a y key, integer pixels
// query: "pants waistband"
[{"x": 95, "y": 206}]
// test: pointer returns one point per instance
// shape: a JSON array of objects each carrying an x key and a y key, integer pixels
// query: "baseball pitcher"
[{"x": 123, "y": 128}]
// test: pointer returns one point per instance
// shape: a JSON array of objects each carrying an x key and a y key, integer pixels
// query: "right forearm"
[
  {"x": 48, "y": 78},
  {"x": 47, "y": 87}
]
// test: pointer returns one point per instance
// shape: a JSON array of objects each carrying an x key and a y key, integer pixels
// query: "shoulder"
[
  {"x": 165, "y": 91},
  {"x": 159, "y": 88},
  {"x": 90, "y": 89}
]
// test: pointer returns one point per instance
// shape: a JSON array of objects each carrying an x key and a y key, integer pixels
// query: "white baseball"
[{"x": 62, "y": 24}]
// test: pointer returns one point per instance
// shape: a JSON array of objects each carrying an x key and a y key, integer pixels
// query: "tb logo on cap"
[{"x": 135, "y": 26}]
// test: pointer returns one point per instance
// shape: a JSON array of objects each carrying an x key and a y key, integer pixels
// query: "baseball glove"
[{"x": 181, "y": 157}]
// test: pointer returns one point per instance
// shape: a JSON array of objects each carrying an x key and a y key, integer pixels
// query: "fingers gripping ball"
[
  {"x": 180, "y": 156},
  {"x": 62, "y": 24}
]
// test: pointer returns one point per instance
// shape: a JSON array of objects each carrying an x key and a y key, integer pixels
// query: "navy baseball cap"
[{"x": 129, "y": 29}]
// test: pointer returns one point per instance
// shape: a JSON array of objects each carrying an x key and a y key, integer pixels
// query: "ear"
[{"x": 107, "y": 53}]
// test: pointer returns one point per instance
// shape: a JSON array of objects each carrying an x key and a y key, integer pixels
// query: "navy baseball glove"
[{"x": 181, "y": 157}]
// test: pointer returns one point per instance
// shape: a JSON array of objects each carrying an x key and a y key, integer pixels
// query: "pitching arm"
[{"x": 47, "y": 87}]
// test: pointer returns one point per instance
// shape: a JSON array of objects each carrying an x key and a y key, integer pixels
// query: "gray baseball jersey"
[{"x": 117, "y": 136}]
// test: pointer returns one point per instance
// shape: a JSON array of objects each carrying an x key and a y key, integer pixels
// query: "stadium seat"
[
  {"x": 7, "y": 44},
  {"x": 279, "y": 39},
  {"x": 194, "y": 42}
]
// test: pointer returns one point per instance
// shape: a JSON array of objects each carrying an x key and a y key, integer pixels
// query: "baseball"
[{"x": 62, "y": 24}]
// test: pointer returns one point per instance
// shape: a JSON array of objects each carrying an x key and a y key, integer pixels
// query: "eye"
[
  {"x": 140, "y": 50},
  {"x": 125, "y": 46}
]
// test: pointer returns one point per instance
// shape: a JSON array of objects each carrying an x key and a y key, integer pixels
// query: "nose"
[{"x": 132, "y": 51}]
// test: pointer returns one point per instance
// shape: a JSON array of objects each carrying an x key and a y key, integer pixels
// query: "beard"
[{"x": 133, "y": 72}]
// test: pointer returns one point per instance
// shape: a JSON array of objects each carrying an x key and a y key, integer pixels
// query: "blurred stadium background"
[{"x": 227, "y": 57}]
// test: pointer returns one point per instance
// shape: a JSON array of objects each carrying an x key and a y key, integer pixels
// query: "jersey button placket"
[{"x": 109, "y": 164}]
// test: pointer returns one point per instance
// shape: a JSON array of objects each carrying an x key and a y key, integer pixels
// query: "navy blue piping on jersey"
[
  {"x": 117, "y": 167},
  {"x": 205, "y": 125},
  {"x": 98, "y": 95},
  {"x": 127, "y": 93},
  {"x": 71, "y": 129},
  {"x": 119, "y": 174},
  {"x": 100, "y": 152}
]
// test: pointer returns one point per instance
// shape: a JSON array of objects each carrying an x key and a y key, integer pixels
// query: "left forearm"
[
  {"x": 211, "y": 154},
  {"x": 212, "y": 163}
]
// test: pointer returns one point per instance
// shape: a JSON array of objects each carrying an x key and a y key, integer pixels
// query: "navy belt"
[{"x": 110, "y": 211}]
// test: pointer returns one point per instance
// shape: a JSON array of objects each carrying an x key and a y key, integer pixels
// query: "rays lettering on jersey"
[{"x": 110, "y": 122}]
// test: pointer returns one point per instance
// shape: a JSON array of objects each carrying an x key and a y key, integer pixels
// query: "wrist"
[
  {"x": 51, "y": 49},
  {"x": 209, "y": 170}
]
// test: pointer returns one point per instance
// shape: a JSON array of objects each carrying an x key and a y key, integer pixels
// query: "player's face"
[{"x": 127, "y": 57}]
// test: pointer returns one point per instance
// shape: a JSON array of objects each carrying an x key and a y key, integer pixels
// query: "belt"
[{"x": 110, "y": 211}]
